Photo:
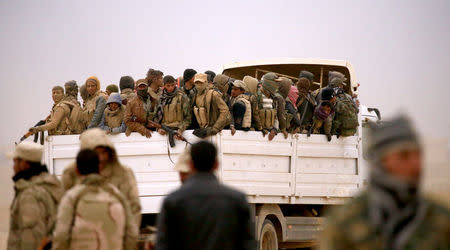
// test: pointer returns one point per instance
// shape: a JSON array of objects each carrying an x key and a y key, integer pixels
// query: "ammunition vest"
[
  {"x": 202, "y": 108},
  {"x": 173, "y": 113},
  {"x": 267, "y": 112},
  {"x": 247, "y": 120},
  {"x": 114, "y": 119}
]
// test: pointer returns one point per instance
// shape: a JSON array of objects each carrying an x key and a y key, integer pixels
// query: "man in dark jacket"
[{"x": 204, "y": 214}]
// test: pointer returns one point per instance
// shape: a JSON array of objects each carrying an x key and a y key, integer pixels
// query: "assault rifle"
[
  {"x": 170, "y": 132},
  {"x": 36, "y": 135}
]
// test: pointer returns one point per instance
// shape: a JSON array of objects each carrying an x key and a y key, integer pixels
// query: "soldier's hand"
[
  {"x": 233, "y": 130},
  {"x": 328, "y": 137},
  {"x": 33, "y": 130},
  {"x": 285, "y": 133},
  {"x": 161, "y": 131},
  {"x": 296, "y": 130},
  {"x": 148, "y": 133},
  {"x": 271, "y": 134},
  {"x": 178, "y": 135},
  {"x": 264, "y": 132},
  {"x": 201, "y": 132}
]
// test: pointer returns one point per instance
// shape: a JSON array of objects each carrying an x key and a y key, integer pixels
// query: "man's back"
[{"x": 204, "y": 214}]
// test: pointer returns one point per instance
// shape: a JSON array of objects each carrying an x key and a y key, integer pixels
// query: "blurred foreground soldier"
[
  {"x": 112, "y": 88},
  {"x": 240, "y": 108},
  {"x": 112, "y": 119},
  {"x": 306, "y": 102},
  {"x": 173, "y": 109},
  {"x": 139, "y": 110},
  {"x": 391, "y": 214},
  {"x": 94, "y": 214},
  {"x": 182, "y": 166},
  {"x": 110, "y": 168},
  {"x": 251, "y": 85},
  {"x": 126, "y": 86},
  {"x": 37, "y": 194},
  {"x": 57, "y": 123},
  {"x": 210, "y": 110},
  {"x": 271, "y": 106},
  {"x": 204, "y": 214},
  {"x": 95, "y": 103}
]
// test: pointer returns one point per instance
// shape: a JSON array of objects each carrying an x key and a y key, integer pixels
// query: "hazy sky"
[{"x": 399, "y": 49}]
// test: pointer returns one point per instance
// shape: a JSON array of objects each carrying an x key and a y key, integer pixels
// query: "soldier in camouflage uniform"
[
  {"x": 110, "y": 168},
  {"x": 113, "y": 116},
  {"x": 251, "y": 84},
  {"x": 345, "y": 122},
  {"x": 306, "y": 102},
  {"x": 155, "y": 82},
  {"x": 187, "y": 86},
  {"x": 271, "y": 106},
  {"x": 211, "y": 112},
  {"x": 37, "y": 195},
  {"x": 57, "y": 122},
  {"x": 76, "y": 124},
  {"x": 174, "y": 110},
  {"x": 391, "y": 214},
  {"x": 94, "y": 214},
  {"x": 126, "y": 86}
]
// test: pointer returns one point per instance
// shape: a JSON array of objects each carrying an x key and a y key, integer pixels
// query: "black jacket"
[{"x": 204, "y": 214}]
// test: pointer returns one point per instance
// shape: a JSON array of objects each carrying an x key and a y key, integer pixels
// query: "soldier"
[
  {"x": 188, "y": 83},
  {"x": 112, "y": 88},
  {"x": 155, "y": 82},
  {"x": 37, "y": 195},
  {"x": 57, "y": 123},
  {"x": 251, "y": 85},
  {"x": 113, "y": 117},
  {"x": 222, "y": 84},
  {"x": 83, "y": 94},
  {"x": 139, "y": 111},
  {"x": 345, "y": 122},
  {"x": 324, "y": 113},
  {"x": 210, "y": 110},
  {"x": 173, "y": 109},
  {"x": 211, "y": 76},
  {"x": 110, "y": 168},
  {"x": 338, "y": 85},
  {"x": 76, "y": 123},
  {"x": 126, "y": 85},
  {"x": 391, "y": 213},
  {"x": 288, "y": 92},
  {"x": 203, "y": 213},
  {"x": 306, "y": 102},
  {"x": 240, "y": 108},
  {"x": 271, "y": 106},
  {"x": 95, "y": 103},
  {"x": 94, "y": 214}
]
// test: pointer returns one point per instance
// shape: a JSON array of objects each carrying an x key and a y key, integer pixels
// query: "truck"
[{"x": 289, "y": 183}]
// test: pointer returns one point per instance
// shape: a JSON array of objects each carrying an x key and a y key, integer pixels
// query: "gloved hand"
[
  {"x": 328, "y": 137},
  {"x": 264, "y": 132},
  {"x": 201, "y": 132},
  {"x": 233, "y": 130},
  {"x": 285, "y": 133},
  {"x": 34, "y": 130},
  {"x": 272, "y": 134}
]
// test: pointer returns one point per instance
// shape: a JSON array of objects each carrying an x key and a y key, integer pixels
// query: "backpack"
[
  {"x": 76, "y": 120},
  {"x": 347, "y": 114}
]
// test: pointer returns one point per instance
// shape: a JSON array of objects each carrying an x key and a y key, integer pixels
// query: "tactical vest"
[
  {"x": 267, "y": 111},
  {"x": 202, "y": 108},
  {"x": 247, "y": 120},
  {"x": 76, "y": 120},
  {"x": 114, "y": 119},
  {"x": 173, "y": 113},
  {"x": 62, "y": 128}
]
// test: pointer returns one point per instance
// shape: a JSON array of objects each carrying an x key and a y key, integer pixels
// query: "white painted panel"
[
  {"x": 327, "y": 178},
  {"x": 326, "y": 190},
  {"x": 149, "y": 163},
  {"x": 157, "y": 177},
  {"x": 326, "y": 165},
  {"x": 60, "y": 164},
  {"x": 151, "y": 204},
  {"x": 256, "y": 176},
  {"x": 276, "y": 164},
  {"x": 257, "y": 148},
  {"x": 259, "y": 188},
  {"x": 157, "y": 188}
]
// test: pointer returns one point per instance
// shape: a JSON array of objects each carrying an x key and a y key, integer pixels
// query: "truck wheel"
[{"x": 268, "y": 236}]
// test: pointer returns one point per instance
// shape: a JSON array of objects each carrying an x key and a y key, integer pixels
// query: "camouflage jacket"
[
  {"x": 112, "y": 121},
  {"x": 178, "y": 113},
  {"x": 116, "y": 174},
  {"x": 33, "y": 211},
  {"x": 137, "y": 113},
  {"x": 348, "y": 227},
  {"x": 58, "y": 121},
  {"x": 256, "y": 122},
  {"x": 127, "y": 95},
  {"x": 346, "y": 118},
  {"x": 217, "y": 112},
  {"x": 94, "y": 215}
]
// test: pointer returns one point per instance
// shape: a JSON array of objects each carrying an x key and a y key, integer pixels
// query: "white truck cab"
[{"x": 289, "y": 182}]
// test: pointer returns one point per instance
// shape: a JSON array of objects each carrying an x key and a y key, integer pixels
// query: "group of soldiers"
[{"x": 206, "y": 103}]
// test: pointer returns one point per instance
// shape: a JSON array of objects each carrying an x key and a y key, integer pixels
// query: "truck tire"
[{"x": 268, "y": 236}]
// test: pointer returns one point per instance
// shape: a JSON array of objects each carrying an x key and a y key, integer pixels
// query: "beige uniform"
[
  {"x": 211, "y": 111},
  {"x": 58, "y": 121}
]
